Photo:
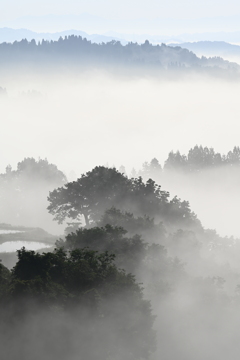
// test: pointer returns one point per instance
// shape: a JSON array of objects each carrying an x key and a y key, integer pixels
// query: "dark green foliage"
[
  {"x": 99, "y": 189},
  {"x": 5, "y": 278},
  {"x": 143, "y": 225},
  {"x": 147, "y": 198},
  {"x": 150, "y": 263},
  {"x": 102, "y": 188},
  {"x": 116, "y": 217},
  {"x": 97, "y": 310},
  {"x": 129, "y": 251},
  {"x": 179, "y": 213},
  {"x": 59, "y": 278}
]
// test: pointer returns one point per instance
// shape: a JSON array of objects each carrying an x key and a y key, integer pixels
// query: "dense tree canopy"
[
  {"x": 142, "y": 225},
  {"x": 129, "y": 251},
  {"x": 99, "y": 189},
  {"x": 133, "y": 225},
  {"x": 200, "y": 158},
  {"x": 149, "y": 262},
  {"x": 102, "y": 188},
  {"x": 80, "y": 289},
  {"x": 5, "y": 277}
]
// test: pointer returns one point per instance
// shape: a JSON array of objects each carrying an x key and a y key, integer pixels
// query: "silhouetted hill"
[
  {"x": 22, "y": 233},
  {"x": 159, "y": 24},
  {"x": 211, "y": 48},
  {"x": 80, "y": 51},
  {"x": 11, "y": 35}
]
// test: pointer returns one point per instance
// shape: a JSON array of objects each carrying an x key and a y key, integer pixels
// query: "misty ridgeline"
[{"x": 127, "y": 269}]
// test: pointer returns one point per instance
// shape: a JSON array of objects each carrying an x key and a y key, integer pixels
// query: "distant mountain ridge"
[
  {"x": 95, "y": 24},
  {"x": 24, "y": 233},
  {"x": 80, "y": 51},
  {"x": 10, "y": 35},
  {"x": 210, "y": 48}
]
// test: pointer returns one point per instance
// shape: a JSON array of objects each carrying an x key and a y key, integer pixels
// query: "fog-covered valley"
[
  {"x": 97, "y": 118},
  {"x": 117, "y": 111},
  {"x": 126, "y": 174}
]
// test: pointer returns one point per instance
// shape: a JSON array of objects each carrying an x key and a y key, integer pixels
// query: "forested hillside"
[
  {"x": 78, "y": 50},
  {"x": 120, "y": 231}
]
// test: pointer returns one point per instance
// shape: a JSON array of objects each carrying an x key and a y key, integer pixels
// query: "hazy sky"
[{"x": 10, "y": 9}]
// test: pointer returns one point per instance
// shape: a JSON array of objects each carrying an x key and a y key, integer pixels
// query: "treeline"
[
  {"x": 82, "y": 50},
  {"x": 198, "y": 159},
  {"x": 23, "y": 192}
]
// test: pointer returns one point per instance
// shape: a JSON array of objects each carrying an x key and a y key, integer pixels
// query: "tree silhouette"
[
  {"x": 102, "y": 188},
  {"x": 84, "y": 288}
]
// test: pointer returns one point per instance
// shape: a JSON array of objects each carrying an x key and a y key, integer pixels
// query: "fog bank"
[{"x": 79, "y": 120}]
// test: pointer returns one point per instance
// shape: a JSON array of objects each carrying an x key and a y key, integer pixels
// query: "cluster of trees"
[
  {"x": 71, "y": 304},
  {"x": 132, "y": 219},
  {"x": 159, "y": 240},
  {"x": 23, "y": 192},
  {"x": 81, "y": 284},
  {"x": 85, "y": 296},
  {"x": 82, "y": 50},
  {"x": 198, "y": 158},
  {"x": 111, "y": 204},
  {"x": 103, "y": 188}
]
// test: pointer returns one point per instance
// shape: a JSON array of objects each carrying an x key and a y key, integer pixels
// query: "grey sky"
[{"x": 10, "y": 9}]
